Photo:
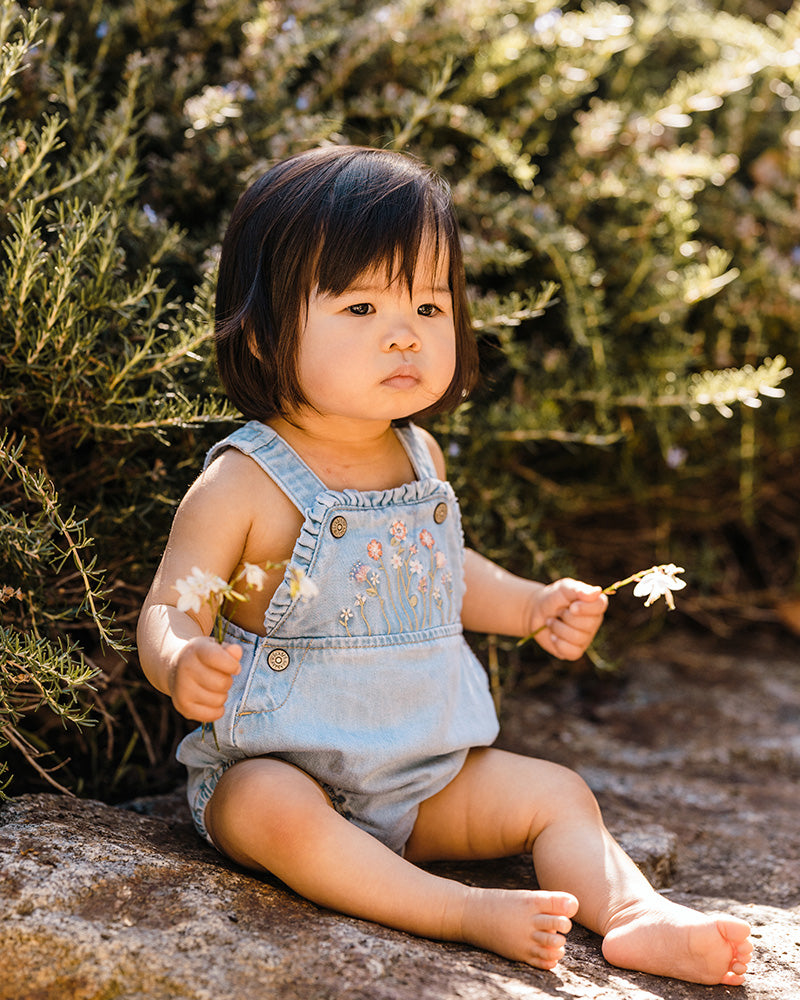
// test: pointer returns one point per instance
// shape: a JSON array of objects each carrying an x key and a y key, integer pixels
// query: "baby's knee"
[
  {"x": 573, "y": 793},
  {"x": 560, "y": 797},
  {"x": 262, "y": 797}
]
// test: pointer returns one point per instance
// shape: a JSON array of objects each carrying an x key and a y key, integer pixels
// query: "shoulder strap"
[
  {"x": 278, "y": 459},
  {"x": 417, "y": 449}
]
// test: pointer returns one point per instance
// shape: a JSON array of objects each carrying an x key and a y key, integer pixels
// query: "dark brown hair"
[{"x": 318, "y": 220}]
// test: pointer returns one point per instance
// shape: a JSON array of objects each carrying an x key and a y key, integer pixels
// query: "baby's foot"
[
  {"x": 526, "y": 926},
  {"x": 666, "y": 939}
]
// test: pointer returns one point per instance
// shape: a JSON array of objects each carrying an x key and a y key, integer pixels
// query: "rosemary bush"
[{"x": 626, "y": 180}]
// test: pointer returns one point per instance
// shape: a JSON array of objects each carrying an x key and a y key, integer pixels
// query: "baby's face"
[{"x": 378, "y": 351}]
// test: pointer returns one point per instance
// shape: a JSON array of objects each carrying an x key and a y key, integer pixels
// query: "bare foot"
[
  {"x": 667, "y": 939},
  {"x": 526, "y": 926}
]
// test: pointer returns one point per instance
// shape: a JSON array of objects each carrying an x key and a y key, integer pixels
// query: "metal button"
[
  {"x": 440, "y": 512},
  {"x": 338, "y": 526},
  {"x": 278, "y": 659}
]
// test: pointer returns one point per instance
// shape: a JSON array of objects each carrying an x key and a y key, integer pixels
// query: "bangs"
[{"x": 375, "y": 220}]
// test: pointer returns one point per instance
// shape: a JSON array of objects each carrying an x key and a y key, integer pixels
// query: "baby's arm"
[
  {"x": 497, "y": 601},
  {"x": 176, "y": 651}
]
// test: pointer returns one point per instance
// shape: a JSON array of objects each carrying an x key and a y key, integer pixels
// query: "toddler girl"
[{"x": 352, "y": 732}]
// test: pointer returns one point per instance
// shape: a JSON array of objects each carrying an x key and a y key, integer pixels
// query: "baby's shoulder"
[
  {"x": 232, "y": 467},
  {"x": 234, "y": 474},
  {"x": 233, "y": 482}
]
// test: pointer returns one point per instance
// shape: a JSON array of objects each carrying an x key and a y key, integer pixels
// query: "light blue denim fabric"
[{"x": 369, "y": 687}]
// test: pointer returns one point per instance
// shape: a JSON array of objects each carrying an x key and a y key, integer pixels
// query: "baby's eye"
[
  {"x": 361, "y": 309},
  {"x": 428, "y": 309}
]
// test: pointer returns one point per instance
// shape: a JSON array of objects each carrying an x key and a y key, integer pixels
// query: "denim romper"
[{"x": 370, "y": 686}]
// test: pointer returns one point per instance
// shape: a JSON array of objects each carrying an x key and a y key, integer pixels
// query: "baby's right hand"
[{"x": 202, "y": 676}]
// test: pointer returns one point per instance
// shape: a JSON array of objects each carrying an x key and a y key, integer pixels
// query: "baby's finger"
[
  {"x": 592, "y": 601},
  {"x": 562, "y": 648},
  {"x": 581, "y": 617},
  {"x": 585, "y": 615},
  {"x": 568, "y": 633},
  {"x": 225, "y": 659},
  {"x": 216, "y": 683},
  {"x": 579, "y": 591},
  {"x": 199, "y": 711},
  {"x": 570, "y": 640}
]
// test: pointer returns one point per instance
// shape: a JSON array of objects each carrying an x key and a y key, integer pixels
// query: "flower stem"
[{"x": 614, "y": 587}]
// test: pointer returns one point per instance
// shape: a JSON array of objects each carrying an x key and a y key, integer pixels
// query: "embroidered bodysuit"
[{"x": 370, "y": 686}]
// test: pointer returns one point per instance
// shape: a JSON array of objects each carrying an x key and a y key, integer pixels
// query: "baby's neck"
[{"x": 372, "y": 459}]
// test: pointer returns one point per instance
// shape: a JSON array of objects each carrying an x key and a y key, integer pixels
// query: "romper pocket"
[{"x": 270, "y": 682}]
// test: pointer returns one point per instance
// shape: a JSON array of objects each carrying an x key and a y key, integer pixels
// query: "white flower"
[
  {"x": 254, "y": 576},
  {"x": 660, "y": 581},
  {"x": 300, "y": 585},
  {"x": 198, "y": 588}
]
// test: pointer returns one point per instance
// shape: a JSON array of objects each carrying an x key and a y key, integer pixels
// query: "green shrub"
[
  {"x": 96, "y": 359},
  {"x": 626, "y": 178}
]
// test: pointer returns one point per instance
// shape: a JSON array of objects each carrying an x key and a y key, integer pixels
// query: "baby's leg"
[
  {"x": 269, "y": 815},
  {"x": 503, "y": 804}
]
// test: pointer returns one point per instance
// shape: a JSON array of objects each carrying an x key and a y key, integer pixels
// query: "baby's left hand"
[{"x": 572, "y": 613}]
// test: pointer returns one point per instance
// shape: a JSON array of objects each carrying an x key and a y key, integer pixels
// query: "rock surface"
[{"x": 694, "y": 755}]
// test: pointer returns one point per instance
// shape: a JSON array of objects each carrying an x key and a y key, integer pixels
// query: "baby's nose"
[{"x": 402, "y": 337}]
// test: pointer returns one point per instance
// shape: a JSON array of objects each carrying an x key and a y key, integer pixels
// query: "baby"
[{"x": 352, "y": 733}]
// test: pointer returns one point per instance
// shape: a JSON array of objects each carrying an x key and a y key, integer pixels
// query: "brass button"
[
  {"x": 338, "y": 526},
  {"x": 278, "y": 659},
  {"x": 440, "y": 512}
]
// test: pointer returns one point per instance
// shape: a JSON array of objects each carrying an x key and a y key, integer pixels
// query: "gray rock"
[{"x": 108, "y": 903}]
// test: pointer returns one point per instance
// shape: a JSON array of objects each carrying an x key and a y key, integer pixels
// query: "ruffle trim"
[{"x": 328, "y": 505}]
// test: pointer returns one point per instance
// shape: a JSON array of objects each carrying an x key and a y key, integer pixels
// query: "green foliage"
[
  {"x": 35, "y": 670},
  {"x": 626, "y": 179},
  {"x": 96, "y": 359}
]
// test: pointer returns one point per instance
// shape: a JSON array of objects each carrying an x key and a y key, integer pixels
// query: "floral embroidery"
[
  {"x": 361, "y": 600},
  {"x": 412, "y": 589}
]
